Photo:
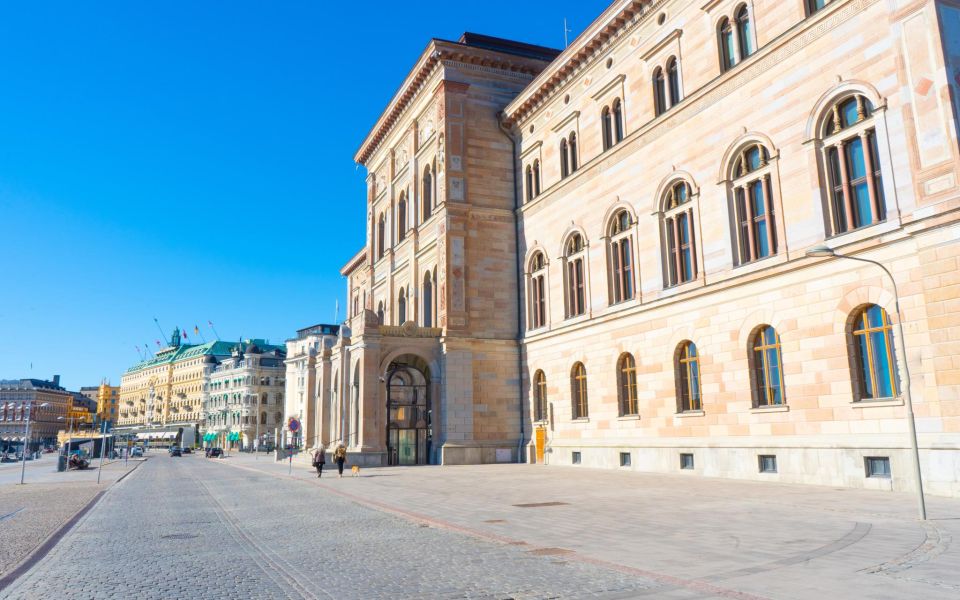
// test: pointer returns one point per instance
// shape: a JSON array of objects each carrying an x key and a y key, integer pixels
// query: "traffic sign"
[{"x": 293, "y": 425}]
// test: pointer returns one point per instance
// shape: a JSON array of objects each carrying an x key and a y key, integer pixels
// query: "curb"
[{"x": 48, "y": 544}]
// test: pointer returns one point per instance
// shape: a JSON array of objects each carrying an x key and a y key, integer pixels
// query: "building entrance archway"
[{"x": 409, "y": 420}]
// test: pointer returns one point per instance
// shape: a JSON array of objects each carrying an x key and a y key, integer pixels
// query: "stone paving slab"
[{"x": 768, "y": 540}]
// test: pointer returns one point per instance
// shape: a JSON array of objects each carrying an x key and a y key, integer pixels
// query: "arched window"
[
  {"x": 578, "y": 391},
  {"x": 401, "y": 307},
  {"x": 687, "y": 366},
  {"x": 744, "y": 31},
  {"x": 618, "y": 131},
  {"x": 380, "y": 313},
  {"x": 874, "y": 360},
  {"x": 767, "y": 367},
  {"x": 564, "y": 158},
  {"x": 575, "y": 276},
  {"x": 753, "y": 204},
  {"x": 728, "y": 47},
  {"x": 263, "y": 418},
  {"x": 606, "y": 127},
  {"x": 678, "y": 234},
  {"x": 673, "y": 80},
  {"x": 435, "y": 305},
  {"x": 402, "y": 217},
  {"x": 427, "y": 194},
  {"x": 539, "y": 396},
  {"x": 851, "y": 156},
  {"x": 815, "y": 5},
  {"x": 538, "y": 290},
  {"x": 536, "y": 178},
  {"x": 381, "y": 235},
  {"x": 621, "y": 257},
  {"x": 573, "y": 152},
  {"x": 659, "y": 92},
  {"x": 427, "y": 300},
  {"x": 627, "y": 384},
  {"x": 529, "y": 173}
]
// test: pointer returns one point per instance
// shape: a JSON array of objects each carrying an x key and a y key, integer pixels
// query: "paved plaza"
[{"x": 243, "y": 528}]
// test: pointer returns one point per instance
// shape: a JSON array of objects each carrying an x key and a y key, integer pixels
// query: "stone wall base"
[
  {"x": 839, "y": 467},
  {"x": 465, "y": 453}
]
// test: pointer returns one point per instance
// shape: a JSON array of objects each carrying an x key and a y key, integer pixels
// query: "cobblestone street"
[{"x": 245, "y": 528}]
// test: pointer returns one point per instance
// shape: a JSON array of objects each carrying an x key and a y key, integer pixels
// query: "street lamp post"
[
  {"x": 26, "y": 437},
  {"x": 823, "y": 251}
]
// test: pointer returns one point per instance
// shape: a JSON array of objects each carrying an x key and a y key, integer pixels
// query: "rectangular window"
[
  {"x": 576, "y": 458},
  {"x": 768, "y": 463},
  {"x": 686, "y": 461},
  {"x": 624, "y": 459},
  {"x": 877, "y": 466}
]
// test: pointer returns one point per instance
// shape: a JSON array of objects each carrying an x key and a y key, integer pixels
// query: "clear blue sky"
[{"x": 193, "y": 161}]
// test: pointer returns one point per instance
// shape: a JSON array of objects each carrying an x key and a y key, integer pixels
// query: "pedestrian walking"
[
  {"x": 319, "y": 460},
  {"x": 339, "y": 457}
]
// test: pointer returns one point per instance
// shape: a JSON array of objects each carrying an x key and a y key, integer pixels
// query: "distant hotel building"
[{"x": 598, "y": 256}]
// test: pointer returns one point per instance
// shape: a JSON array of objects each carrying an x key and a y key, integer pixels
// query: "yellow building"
[
  {"x": 161, "y": 398},
  {"x": 107, "y": 398}
]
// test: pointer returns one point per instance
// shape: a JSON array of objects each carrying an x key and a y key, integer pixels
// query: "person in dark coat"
[
  {"x": 339, "y": 457},
  {"x": 319, "y": 460}
]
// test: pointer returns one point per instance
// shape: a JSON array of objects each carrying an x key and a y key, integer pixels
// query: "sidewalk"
[{"x": 767, "y": 540}]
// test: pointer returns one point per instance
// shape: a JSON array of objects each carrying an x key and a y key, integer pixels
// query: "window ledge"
[
  {"x": 774, "y": 408},
  {"x": 690, "y": 413},
  {"x": 629, "y": 418},
  {"x": 877, "y": 403},
  {"x": 581, "y": 420}
]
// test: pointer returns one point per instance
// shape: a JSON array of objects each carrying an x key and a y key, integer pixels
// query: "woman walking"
[
  {"x": 319, "y": 460},
  {"x": 339, "y": 456}
]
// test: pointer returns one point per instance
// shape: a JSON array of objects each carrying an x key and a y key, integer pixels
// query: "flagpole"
[
  {"x": 160, "y": 329},
  {"x": 210, "y": 323},
  {"x": 197, "y": 331}
]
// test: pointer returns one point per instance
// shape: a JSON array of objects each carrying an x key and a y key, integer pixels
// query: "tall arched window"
[
  {"x": 436, "y": 304},
  {"x": 753, "y": 204},
  {"x": 606, "y": 127},
  {"x": 427, "y": 300},
  {"x": 618, "y": 130},
  {"x": 678, "y": 234},
  {"x": 427, "y": 194},
  {"x": 539, "y": 396},
  {"x": 744, "y": 31},
  {"x": 767, "y": 368},
  {"x": 402, "y": 217},
  {"x": 573, "y": 152},
  {"x": 401, "y": 307},
  {"x": 627, "y": 385},
  {"x": 578, "y": 391},
  {"x": 529, "y": 180},
  {"x": 621, "y": 257},
  {"x": 659, "y": 92},
  {"x": 538, "y": 290},
  {"x": 874, "y": 360},
  {"x": 564, "y": 158},
  {"x": 381, "y": 235},
  {"x": 673, "y": 80},
  {"x": 263, "y": 418},
  {"x": 851, "y": 155},
  {"x": 687, "y": 366},
  {"x": 728, "y": 47},
  {"x": 380, "y": 313},
  {"x": 536, "y": 178},
  {"x": 575, "y": 276}
]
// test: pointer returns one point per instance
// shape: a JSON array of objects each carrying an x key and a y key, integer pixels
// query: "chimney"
[{"x": 56, "y": 380}]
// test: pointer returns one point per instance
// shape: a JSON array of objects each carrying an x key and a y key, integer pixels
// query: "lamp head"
[{"x": 820, "y": 251}]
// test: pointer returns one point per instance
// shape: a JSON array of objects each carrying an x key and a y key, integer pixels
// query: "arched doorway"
[{"x": 409, "y": 427}]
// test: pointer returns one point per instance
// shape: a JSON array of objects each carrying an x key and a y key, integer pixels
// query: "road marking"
[{"x": 10, "y": 515}]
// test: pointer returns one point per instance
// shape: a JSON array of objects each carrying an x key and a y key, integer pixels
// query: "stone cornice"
[{"x": 354, "y": 263}]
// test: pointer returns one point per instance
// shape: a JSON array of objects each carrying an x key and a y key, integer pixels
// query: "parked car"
[
  {"x": 214, "y": 452},
  {"x": 137, "y": 451},
  {"x": 175, "y": 451}
]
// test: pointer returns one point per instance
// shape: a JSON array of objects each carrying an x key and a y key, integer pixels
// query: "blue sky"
[{"x": 193, "y": 161}]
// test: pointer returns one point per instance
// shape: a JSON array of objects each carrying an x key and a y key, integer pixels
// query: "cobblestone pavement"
[
  {"x": 190, "y": 527},
  {"x": 30, "y": 513}
]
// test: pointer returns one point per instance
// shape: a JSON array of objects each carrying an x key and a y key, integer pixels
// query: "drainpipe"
[{"x": 516, "y": 228}]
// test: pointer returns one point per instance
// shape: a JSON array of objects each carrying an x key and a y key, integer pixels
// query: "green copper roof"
[{"x": 173, "y": 355}]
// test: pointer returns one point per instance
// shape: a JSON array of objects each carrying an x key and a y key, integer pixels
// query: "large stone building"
[
  {"x": 45, "y": 403},
  {"x": 600, "y": 257},
  {"x": 243, "y": 401},
  {"x": 301, "y": 385},
  {"x": 162, "y": 398}
]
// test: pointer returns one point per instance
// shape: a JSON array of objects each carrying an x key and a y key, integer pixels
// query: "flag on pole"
[
  {"x": 184, "y": 333},
  {"x": 196, "y": 330},
  {"x": 158, "y": 343}
]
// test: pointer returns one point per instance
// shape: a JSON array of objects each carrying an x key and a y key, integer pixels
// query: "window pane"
[
  {"x": 726, "y": 41},
  {"x": 746, "y": 37},
  {"x": 881, "y": 362},
  {"x": 865, "y": 372},
  {"x": 694, "y": 385},
  {"x": 773, "y": 365},
  {"x": 848, "y": 112},
  {"x": 874, "y": 316}
]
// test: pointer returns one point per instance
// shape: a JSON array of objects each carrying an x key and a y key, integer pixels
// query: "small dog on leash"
[{"x": 355, "y": 471}]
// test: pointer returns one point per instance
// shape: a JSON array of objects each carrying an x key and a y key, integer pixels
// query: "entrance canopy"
[{"x": 157, "y": 435}]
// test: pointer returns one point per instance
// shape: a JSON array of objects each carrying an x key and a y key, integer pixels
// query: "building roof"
[
  {"x": 471, "y": 48},
  {"x": 359, "y": 259},
  {"x": 29, "y": 384},
  {"x": 176, "y": 354}
]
